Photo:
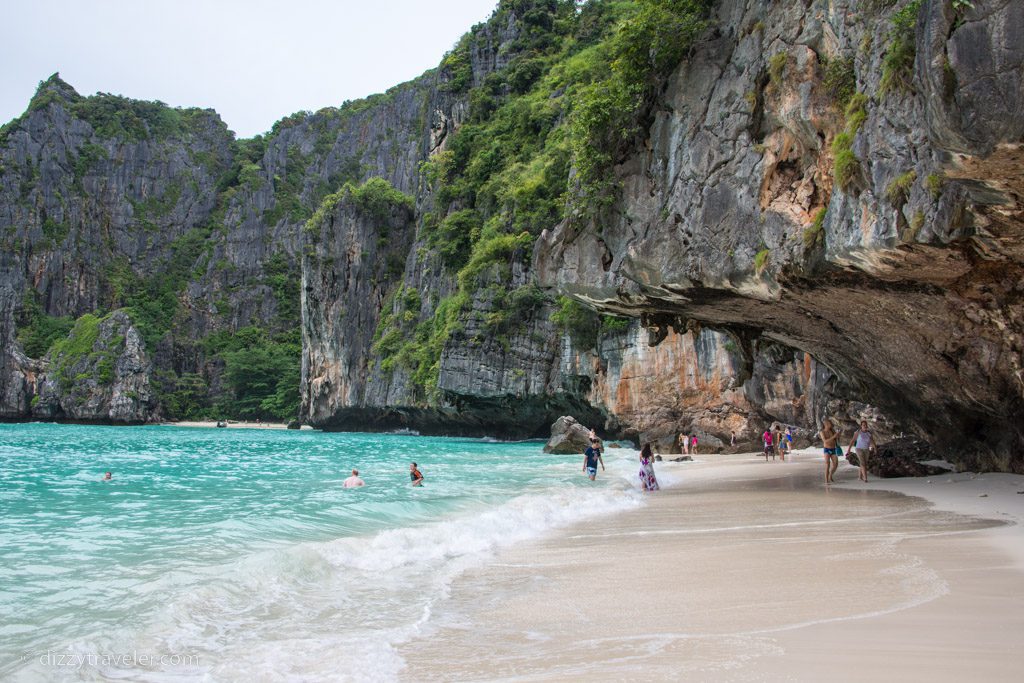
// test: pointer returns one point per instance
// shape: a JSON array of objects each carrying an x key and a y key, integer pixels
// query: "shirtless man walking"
[{"x": 830, "y": 439}]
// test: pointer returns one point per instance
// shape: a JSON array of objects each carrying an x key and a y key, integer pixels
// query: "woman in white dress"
[{"x": 648, "y": 482}]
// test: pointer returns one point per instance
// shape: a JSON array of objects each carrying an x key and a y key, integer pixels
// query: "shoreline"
[
  {"x": 746, "y": 570},
  {"x": 231, "y": 424}
]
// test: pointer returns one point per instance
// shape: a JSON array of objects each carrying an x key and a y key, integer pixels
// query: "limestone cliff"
[
  {"x": 908, "y": 285},
  {"x": 479, "y": 353}
]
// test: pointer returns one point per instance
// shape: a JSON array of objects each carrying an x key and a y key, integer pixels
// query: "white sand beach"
[
  {"x": 232, "y": 424},
  {"x": 750, "y": 571}
]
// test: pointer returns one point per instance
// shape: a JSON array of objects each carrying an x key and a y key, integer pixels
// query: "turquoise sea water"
[{"x": 223, "y": 554}]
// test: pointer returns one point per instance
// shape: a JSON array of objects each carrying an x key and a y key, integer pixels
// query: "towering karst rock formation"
[
  {"x": 884, "y": 239},
  {"x": 674, "y": 215}
]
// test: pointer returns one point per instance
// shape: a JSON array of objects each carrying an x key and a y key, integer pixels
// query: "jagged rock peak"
[{"x": 55, "y": 85}]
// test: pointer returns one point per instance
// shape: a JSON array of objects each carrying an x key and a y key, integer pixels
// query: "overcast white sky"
[{"x": 254, "y": 61}]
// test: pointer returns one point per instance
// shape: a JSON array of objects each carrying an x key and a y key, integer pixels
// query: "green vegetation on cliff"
[
  {"x": 847, "y": 168},
  {"x": 68, "y": 354},
  {"x": 37, "y": 331},
  {"x": 579, "y": 322},
  {"x": 114, "y": 116},
  {"x": 543, "y": 136},
  {"x": 898, "y": 64},
  {"x": 376, "y": 197}
]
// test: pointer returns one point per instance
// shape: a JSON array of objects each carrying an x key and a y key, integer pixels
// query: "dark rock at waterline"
[
  {"x": 567, "y": 436},
  {"x": 294, "y": 424},
  {"x": 900, "y": 458},
  {"x": 683, "y": 458},
  {"x": 657, "y": 458}
]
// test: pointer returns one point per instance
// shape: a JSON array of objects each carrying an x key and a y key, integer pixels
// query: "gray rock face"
[
  {"x": 567, "y": 436},
  {"x": 489, "y": 380},
  {"x": 345, "y": 281},
  {"x": 910, "y": 297},
  {"x": 18, "y": 372},
  {"x": 90, "y": 201},
  {"x": 76, "y": 203}
]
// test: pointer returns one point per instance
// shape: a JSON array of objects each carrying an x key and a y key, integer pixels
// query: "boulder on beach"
[
  {"x": 567, "y": 436},
  {"x": 294, "y": 424},
  {"x": 662, "y": 440},
  {"x": 905, "y": 457}
]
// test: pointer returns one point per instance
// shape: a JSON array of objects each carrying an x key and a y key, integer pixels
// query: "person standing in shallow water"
[
  {"x": 830, "y": 441},
  {"x": 415, "y": 475},
  {"x": 864, "y": 442},
  {"x": 648, "y": 482},
  {"x": 591, "y": 457},
  {"x": 684, "y": 443}
]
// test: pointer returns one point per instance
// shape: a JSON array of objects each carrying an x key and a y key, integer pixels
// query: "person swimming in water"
[
  {"x": 354, "y": 481},
  {"x": 108, "y": 476},
  {"x": 415, "y": 475}
]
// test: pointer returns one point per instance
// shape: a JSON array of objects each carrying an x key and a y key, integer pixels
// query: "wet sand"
[{"x": 744, "y": 571}]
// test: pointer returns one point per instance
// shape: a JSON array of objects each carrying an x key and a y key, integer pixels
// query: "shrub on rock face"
[
  {"x": 898, "y": 64},
  {"x": 846, "y": 166}
]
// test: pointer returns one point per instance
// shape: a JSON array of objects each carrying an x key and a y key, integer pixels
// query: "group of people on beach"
[{"x": 776, "y": 442}]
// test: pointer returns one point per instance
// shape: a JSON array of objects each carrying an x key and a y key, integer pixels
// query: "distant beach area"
[
  {"x": 231, "y": 424},
  {"x": 743, "y": 570}
]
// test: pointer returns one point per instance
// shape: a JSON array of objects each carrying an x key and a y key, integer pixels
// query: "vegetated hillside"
[{"x": 111, "y": 204}]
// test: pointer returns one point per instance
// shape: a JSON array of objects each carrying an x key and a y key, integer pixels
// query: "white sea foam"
[{"x": 336, "y": 610}]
